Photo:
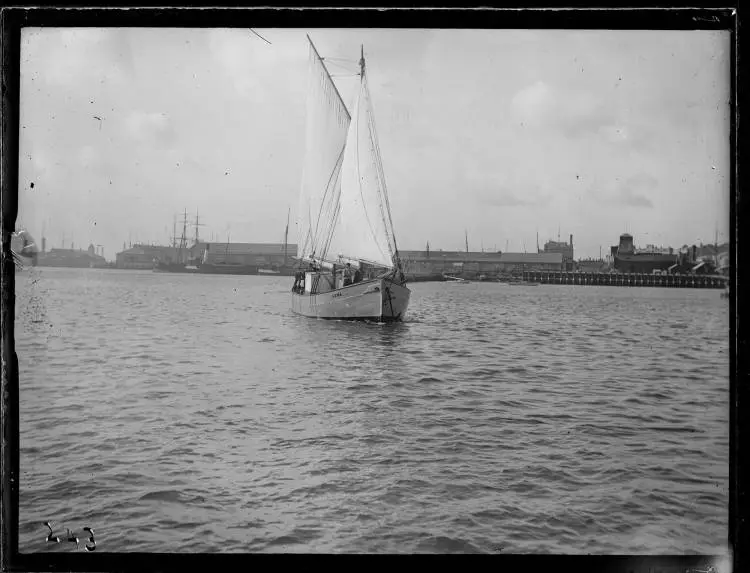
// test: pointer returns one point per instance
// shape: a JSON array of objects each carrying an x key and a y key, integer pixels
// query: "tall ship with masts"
[
  {"x": 349, "y": 265},
  {"x": 182, "y": 264}
]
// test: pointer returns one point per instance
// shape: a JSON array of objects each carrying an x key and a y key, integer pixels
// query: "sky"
[{"x": 500, "y": 134}]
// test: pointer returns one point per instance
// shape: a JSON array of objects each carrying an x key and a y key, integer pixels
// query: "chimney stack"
[{"x": 571, "y": 240}]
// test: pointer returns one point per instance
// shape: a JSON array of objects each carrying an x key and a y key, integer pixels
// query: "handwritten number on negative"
[{"x": 60, "y": 535}]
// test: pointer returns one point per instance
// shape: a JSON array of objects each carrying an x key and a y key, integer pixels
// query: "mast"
[
  {"x": 183, "y": 239},
  {"x": 384, "y": 209},
  {"x": 196, "y": 225},
  {"x": 466, "y": 234},
  {"x": 716, "y": 238},
  {"x": 174, "y": 231},
  {"x": 286, "y": 234}
]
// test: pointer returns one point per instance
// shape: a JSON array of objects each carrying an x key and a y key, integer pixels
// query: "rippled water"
[{"x": 196, "y": 413}]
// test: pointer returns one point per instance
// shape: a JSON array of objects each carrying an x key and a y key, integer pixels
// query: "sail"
[
  {"x": 364, "y": 229},
  {"x": 327, "y": 124}
]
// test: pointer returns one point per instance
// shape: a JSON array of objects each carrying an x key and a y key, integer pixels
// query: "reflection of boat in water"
[
  {"x": 23, "y": 249},
  {"x": 344, "y": 211}
]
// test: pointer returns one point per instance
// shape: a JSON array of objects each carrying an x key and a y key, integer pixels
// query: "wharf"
[{"x": 626, "y": 279}]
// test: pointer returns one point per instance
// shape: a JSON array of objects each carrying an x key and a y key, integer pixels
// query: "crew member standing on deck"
[{"x": 348, "y": 274}]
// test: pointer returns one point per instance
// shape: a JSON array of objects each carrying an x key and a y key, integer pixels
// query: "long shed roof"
[
  {"x": 247, "y": 248},
  {"x": 508, "y": 258}
]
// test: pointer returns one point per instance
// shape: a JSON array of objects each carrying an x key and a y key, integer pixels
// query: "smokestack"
[
  {"x": 44, "y": 245},
  {"x": 571, "y": 240}
]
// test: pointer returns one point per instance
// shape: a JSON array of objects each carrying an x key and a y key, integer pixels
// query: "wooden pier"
[{"x": 625, "y": 279}]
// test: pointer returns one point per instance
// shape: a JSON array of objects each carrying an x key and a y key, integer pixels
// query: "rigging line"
[
  {"x": 333, "y": 177},
  {"x": 334, "y": 173},
  {"x": 359, "y": 177},
  {"x": 335, "y": 206},
  {"x": 339, "y": 65},
  {"x": 380, "y": 202},
  {"x": 332, "y": 224},
  {"x": 334, "y": 220},
  {"x": 379, "y": 172},
  {"x": 379, "y": 156},
  {"x": 373, "y": 135},
  {"x": 261, "y": 37}
]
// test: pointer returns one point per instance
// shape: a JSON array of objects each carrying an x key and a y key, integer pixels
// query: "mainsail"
[
  {"x": 344, "y": 203},
  {"x": 327, "y": 124}
]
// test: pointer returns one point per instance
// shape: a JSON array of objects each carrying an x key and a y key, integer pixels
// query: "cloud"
[
  {"x": 87, "y": 156},
  {"x": 70, "y": 57},
  {"x": 615, "y": 133},
  {"x": 149, "y": 126},
  {"x": 634, "y": 191},
  {"x": 503, "y": 196},
  {"x": 254, "y": 66},
  {"x": 573, "y": 112}
]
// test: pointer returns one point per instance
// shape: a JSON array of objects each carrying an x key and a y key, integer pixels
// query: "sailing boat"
[{"x": 349, "y": 262}]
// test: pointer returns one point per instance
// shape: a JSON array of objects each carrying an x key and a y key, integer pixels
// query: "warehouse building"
[
  {"x": 566, "y": 249},
  {"x": 143, "y": 256},
  {"x": 271, "y": 255},
  {"x": 424, "y": 264}
]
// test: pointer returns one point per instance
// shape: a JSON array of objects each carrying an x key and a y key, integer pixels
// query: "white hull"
[{"x": 379, "y": 300}]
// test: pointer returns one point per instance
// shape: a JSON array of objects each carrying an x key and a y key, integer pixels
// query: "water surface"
[{"x": 196, "y": 413}]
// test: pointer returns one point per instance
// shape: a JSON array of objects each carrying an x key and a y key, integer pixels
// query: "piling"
[{"x": 626, "y": 279}]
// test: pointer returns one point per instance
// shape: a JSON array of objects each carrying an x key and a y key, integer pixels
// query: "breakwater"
[{"x": 626, "y": 279}]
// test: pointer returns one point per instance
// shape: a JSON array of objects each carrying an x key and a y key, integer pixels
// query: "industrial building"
[
  {"x": 143, "y": 256},
  {"x": 565, "y": 249},
  {"x": 434, "y": 264},
  {"x": 71, "y": 258},
  {"x": 592, "y": 266},
  {"x": 271, "y": 255}
]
